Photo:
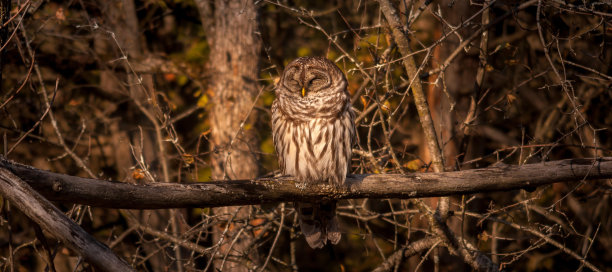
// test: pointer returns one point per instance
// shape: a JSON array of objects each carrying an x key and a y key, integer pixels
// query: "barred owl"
[{"x": 313, "y": 129}]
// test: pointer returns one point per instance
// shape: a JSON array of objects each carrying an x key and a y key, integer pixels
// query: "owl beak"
[{"x": 303, "y": 91}]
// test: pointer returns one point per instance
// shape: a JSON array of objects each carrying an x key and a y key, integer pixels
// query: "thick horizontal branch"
[{"x": 110, "y": 194}]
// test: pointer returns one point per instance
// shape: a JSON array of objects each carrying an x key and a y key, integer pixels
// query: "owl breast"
[{"x": 314, "y": 151}]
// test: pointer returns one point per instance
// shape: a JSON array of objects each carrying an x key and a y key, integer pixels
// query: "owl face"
[
  {"x": 310, "y": 76},
  {"x": 306, "y": 80},
  {"x": 312, "y": 87}
]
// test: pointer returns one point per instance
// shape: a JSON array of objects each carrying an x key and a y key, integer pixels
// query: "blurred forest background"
[{"x": 180, "y": 91}]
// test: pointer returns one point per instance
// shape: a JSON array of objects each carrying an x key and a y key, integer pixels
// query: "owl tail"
[{"x": 319, "y": 223}]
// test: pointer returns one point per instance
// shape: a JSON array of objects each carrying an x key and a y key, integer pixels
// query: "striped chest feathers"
[{"x": 315, "y": 151}]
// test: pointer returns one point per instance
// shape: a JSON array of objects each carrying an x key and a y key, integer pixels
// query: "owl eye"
[{"x": 315, "y": 80}]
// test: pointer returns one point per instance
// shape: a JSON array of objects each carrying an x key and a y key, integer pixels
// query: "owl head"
[
  {"x": 312, "y": 87},
  {"x": 307, "y": 77}
]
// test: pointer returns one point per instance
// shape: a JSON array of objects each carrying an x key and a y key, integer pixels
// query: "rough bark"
[
  {"x": 233, "y": 64},
  {"x": 100, "y": 193},
  {"x": 52, "y": 220}
]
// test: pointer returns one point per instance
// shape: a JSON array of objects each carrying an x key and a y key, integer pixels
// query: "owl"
[{"x": 313, "y": 129}]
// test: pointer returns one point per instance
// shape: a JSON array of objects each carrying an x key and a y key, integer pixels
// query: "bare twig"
[
  {"x": 407, "y": 251},
  {"x": 543, "y": 236}
]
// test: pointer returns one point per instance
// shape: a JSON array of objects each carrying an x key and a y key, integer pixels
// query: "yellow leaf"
[
  {"x": 267, "y": 98},
  {"x": 204, "y": 174},
  {"x": 386, "y": 106},
  {"x": 203, "y": 101},
  {"x": 414, "y": 165},
  {"x": 267, "y": 146},
  {"x": 182, "y": 80},
  {"x": 304, "y": 51}
]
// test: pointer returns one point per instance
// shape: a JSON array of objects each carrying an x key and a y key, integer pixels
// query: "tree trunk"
[{"x": 233, "y": 67}]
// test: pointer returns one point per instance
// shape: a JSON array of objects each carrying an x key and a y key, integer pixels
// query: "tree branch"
[
  {"x": 407, "y": 251},
  {"x": 417, "y": 89},
  {"x": 51, "y": 219},
  {"x": 420, "y": 100},
  {"x": 159, "y": 195}
]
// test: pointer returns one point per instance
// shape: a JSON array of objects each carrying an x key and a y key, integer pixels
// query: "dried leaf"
[
  {"x": 59, "y": 14},
  {"x": 138, "y": 174},
  {"x": 188, "y": 159}
]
